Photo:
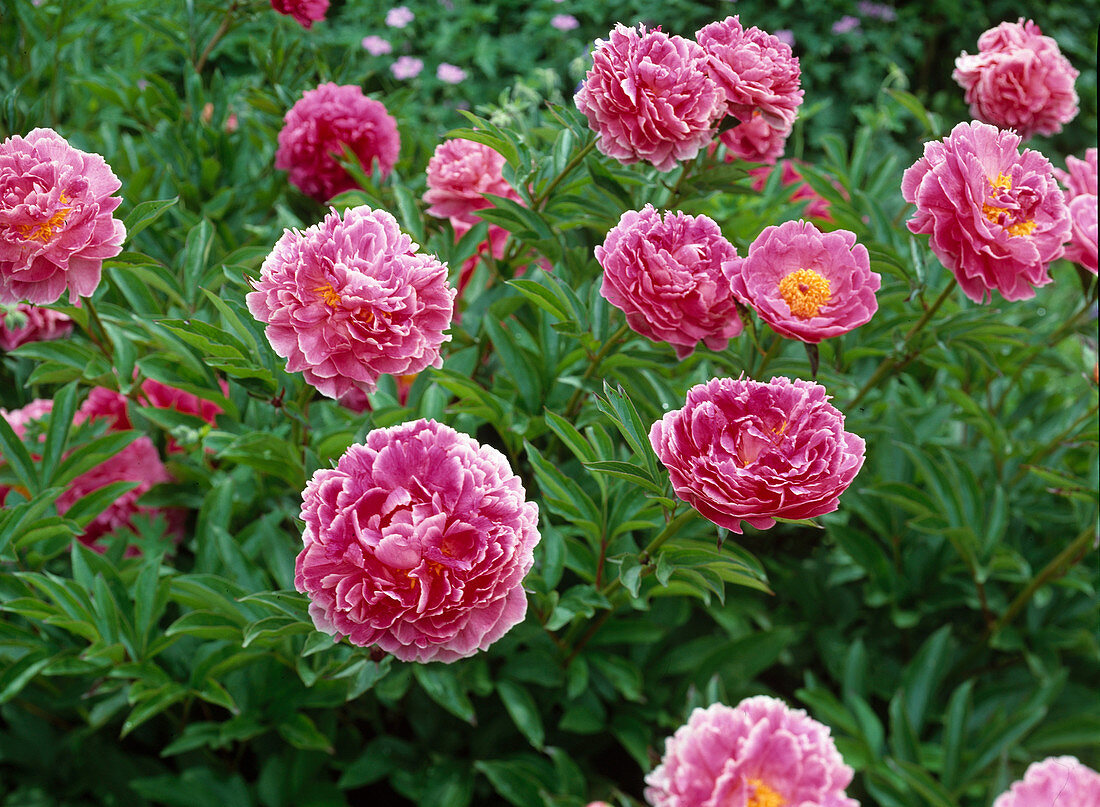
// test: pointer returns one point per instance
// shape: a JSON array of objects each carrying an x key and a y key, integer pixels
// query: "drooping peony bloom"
[
  {"x": 1019, "y": 80},
  {"x": 996, "y": 217},
  {"x": 1055, "y": 781},
  {"x": 804, "y": 283},
  {"x": 760, "y": 753},
  {"x": 417, "y": 541},
  {"x": 350, "y": 298},
  {"x": 305, "y": 12},
  {"x": 666, "y": 275},
  {"x": 29, "y": 323},
  {"x": 744, "y": 450},
  {"x": 406, "y": 67},
  {"x": 56, "y": 222},
  {"x": 317, "y": 128},
  {"x": 649, "y": 97},
  {"x": 818, "y": 207}
]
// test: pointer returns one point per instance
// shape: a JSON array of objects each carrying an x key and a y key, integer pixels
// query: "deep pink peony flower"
[
  {"x": 305, "y": 12},
  {"x": 804, "y": 283},
  {"x": 666, "y": 276},
  {"x": 1019, "y": 80},
  {"x": 742, "y": 450},
  {"x": 349, "y": 299},
  {"x": 818, "y": 208},
  {"x": 996, "y": 217},
  {"x": 649, "y": 97},
  {"x": 418, "y": 542},
  {"x": 1057, "y": 782},
  {"x": 1080, "y": 175},
  {"x": 320, "y": 124},
  {"x": 29, "y": 323},
  {"x": 759, "y": 753},
  {"x": 56, "y": 226}
]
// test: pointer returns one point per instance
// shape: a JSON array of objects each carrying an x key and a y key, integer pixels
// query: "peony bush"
[{"x": 459, "y": 404}]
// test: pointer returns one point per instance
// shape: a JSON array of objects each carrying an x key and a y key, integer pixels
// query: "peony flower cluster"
[
  {"x": 744, "y": 450},
  {"x": 804, "y": 283},
  {"x": 304, "y": 12},
  {"x": 351, "y": 298},
  {"x": 418, "y": 542},
  {"x": 318, "y": 127},
  {"x": 29, "y": 323},
  {"x": 665, "y": 273},
  {"x": 56, "y": 222},
  {"x": 996, "y": 217},
  {"x": 760, "y": 753},
  {"x": 1054, "y": 781},
  {"x": 1079, "y": 178},
  {"x": 1019, "y": 80},
  {"x": 649, "y": 97}
]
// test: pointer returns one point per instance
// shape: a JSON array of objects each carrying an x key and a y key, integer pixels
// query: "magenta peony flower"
[
  {"x": 417, "y": 541},
  {"x": 1019, "y": 80},
  {"x": 349, "y": 299},
  {"x": 56, "y": 226},
  {"x": 305, "y": 12},
  {"x": 996, "y": 217},
  {"x": 742, "y": 450},
  {"x": 317, "y": 128},
  {"x": 804, "y": 283},
  {"x": 666, "y": 276},
  {"x": 759, "y": 753},
  {"x": 1057, "y": 782},
  {"x": 460, "y": 173},
  {"x": 649, "y": 97},
  {"x": 376, "y": 45},
  {"x": 1080, "y": 175},
  {"x": 29, "y": 323},
  {"x": 406, "y": 67}
]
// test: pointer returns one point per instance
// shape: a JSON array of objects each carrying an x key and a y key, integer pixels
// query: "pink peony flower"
[
  {"x": 818, "y": 208},
  {"x": 755, "y": 140},
  {"x": 1019, "y": 80},
  {"x": 564, "y": 22},
  {"x": 406, "y": 67},
  {"x": 759, "y": 753},
  {"x": 996, "y": 217},
  {"x": 1080, "y": 175},
  {"x": 460, "y": 173},
  {"x": 56, "y": 226},
  {"x": 376, "y": 45},
  {"x": 742, "y": 450},
  {"x": 666, "y": 276},
  {"x": 649, "y": 97},
  {"x": 399, "y": 17},
  {"x": 417, "y": 541},
  {"x": 305, "y": 12},
  {"x": 317, "y": 128},
  {"x": 349, "y": 299},
  {"x": 162, "y": 396},
  {"x": 1082, "y": 245},
  {"x": 804, "y": 283},
  {"x": 450, "y": 74},
  {"x": 1054, "y": 782},
  {"x": 28, "y": 323}
]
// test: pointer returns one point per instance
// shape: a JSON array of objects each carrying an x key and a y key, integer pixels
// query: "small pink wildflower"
[
  {"x": 450, "y": 74},
  {"x": 845, "y": 24},
  {"x": 564, "y": 22},
  {"x": 399, "y": 17},
  {"x": 406, "y": 67},
  {"x": 376, "y": 45}
]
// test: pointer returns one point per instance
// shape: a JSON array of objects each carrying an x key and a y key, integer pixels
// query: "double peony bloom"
[
  {"x": 1079, "y": 179},
  {"x": 1054, "y": 781}
]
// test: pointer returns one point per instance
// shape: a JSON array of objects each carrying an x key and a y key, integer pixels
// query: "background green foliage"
[{"x": 942, "y": 622}]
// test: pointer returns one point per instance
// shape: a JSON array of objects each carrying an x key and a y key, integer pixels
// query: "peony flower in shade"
[
  {"x": 744, "y": 450},
  {"x": 755, "y": 140},
  {"x": 1080, "y": 175},
  {"x": 1054, "y": 781},
  {"x": 760, "y": 753},
  {"x": 996, "y": 217},
  {"x": 318, "y": 127},
  {"x": 804, "y": 283},
  {"x": 460, "y": 173},
  {"x": 417, "y": 541},
  {"x": 1081, "y": 248},
  {"x": 56, "y": 222},
  {"x": 305, "y": 12},
  {"x": 406, "y": 67},
  {"x": 28, "y": 323},
  {"x": 650, "y": 97},
  {"x": 349, "y": 299},
  {"x": 1019, "y": 80},
  {"x": 666, "y": 275}
]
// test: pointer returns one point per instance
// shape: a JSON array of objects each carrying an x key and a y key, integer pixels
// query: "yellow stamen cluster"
[
  {"x": 1003, "y": 182},
  {"x": 44, "y": 231},
  {"x": 329, "y": 295},
  {"x": 805, "y": 292},
  {"x": 764, "y": 796}
]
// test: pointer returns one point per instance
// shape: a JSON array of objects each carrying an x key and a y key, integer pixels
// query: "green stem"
[
  {"x": 98, "y": 334},
  {"x": 770, "y": 354},
  {"x": 574, "y": 161},
  {"x": 593, "y": 365},
  {"x": 223, "y": 29},
  {"x": 1087, "y": 417}
]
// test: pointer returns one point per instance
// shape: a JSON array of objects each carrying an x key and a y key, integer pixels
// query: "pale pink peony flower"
[
  {"x": 804, "y": 283},
  {"x": 649, "y": 97},
  {"x": 818, "y": 208},
  {"x": 744, "y": 450},
  {"x": 317, "y": 128},
  {"x": 1019, "y": 80},
  {"x": 1054, "y": 782},
  {"x": 406, "y": 67},
  {"x": 760, "y": 753},
  {"x": 996, "y": 217},
  {"x": 666, "y": 276},
  {"x": 417, "y": 541},
  {"x": 56, "y": 223},
  {"x": 376, "y": 45},
  {"x": 28, "y": 323},
  {"x": 450, "y": 73},
  {"x": 1080, "y": 175},
  {"x": 305, "y": 12},
  {"x": 349, "y": 299},
  {"x": 399, "y": 17},
  {"x": 564, "y": 22}
]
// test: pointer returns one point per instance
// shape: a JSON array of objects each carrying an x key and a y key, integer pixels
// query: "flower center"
[
  {"x": 328, "y": 295},
  {"x": 44, "y": 231},
  {"x": 764, "y": 796},
  {"x": 999, "y": 192},
  {"x": 805, "y": 292}
]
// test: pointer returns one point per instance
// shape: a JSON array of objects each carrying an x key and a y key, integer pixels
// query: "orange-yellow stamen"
[
  {"x": 805, "y": 291},
  {"x": 1003, "y": 182},
  {"x": 44, "y": 231},
  {"x": 329, "y": 295},
  {"x": 764, "y": 796}
]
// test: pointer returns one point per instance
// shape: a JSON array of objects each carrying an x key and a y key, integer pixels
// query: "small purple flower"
[
  {"x": 564, "y": 22},
  {"x": 406, "y": 67},
  {"x": 376, "y": 45},
  {"x": 399, "y": 17},
  {"x": 845, "y": 24},
  {"x": 450, "y": 73},
  {"x": 786, "y": 36}
]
